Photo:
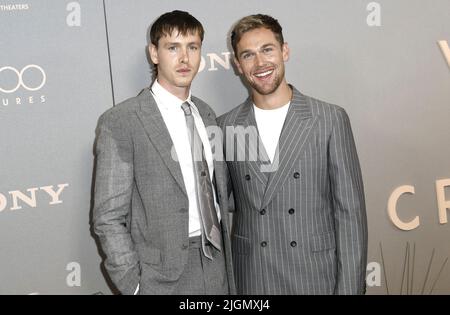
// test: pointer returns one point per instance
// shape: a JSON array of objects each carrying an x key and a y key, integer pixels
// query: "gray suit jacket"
[
  {"x": 301, "y": 229},
  {"x": 141, "y": 207}
]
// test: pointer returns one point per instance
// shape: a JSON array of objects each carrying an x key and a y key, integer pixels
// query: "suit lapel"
[
  {"x": 255, "y": 153},
  {"x": 296, "y": 132},
  {"x": 158, "y": 133},
  {"x": 209, "y": 122},
  {"x": 219, "y": 177},
  {"x": 219, "y": 172}
]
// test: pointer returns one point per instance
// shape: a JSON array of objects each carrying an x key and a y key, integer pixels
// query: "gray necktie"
[{"x": 204, "y": 191}]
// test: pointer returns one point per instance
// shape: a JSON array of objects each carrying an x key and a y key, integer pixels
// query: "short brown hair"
[
  {"x": 252, "y": 22},
  {"x": 180, "y": 21}
]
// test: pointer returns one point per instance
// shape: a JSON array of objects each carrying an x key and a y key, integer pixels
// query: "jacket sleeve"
[
  {"x": 349, "y": 207},
  {"x": 112, "y": 202}
]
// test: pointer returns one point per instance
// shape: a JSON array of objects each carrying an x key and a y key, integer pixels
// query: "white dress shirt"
[
  {"x": 174, "y": 118},
  {"x": 270, "y": 124},
  {"x": 173, "y": 115}
]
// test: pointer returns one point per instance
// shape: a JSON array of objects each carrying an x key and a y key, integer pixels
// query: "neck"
[
  {"x": 281, "y": 96},
  {"x": 180, "y": 92}
]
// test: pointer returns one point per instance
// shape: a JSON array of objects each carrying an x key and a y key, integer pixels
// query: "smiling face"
[
  {"x": 177, "y": 58},
  {"x": 260, "y": 58}
]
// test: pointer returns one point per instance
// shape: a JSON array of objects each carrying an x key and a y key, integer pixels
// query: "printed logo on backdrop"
[
  {"x": 443, "y": 204},
  {"x": 215, "y": 62},
  {"x": 17, "y": 199},
  {"x": 14, "y": 7},
  {"x": 22, "y": 85},
  {"x": 443, "y": 44}
]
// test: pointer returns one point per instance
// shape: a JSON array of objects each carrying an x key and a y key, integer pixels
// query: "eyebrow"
[
  {"x": 267, "y": 45},
  {"x": 171, "y": 44},
  {"x": 244, "y": 52},
  {"x": 179, "y": 44},
  {"x": 262, "y": 47}
]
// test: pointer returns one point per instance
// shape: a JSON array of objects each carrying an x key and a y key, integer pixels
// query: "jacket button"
[
  {"x": 247, "y": 177},
  {"x": 183, "y": 210},
  {"x": 203, "y": 173},
  {"x": 291, "y": 211},
  {"x": 262, "y": 212},
  {"x": 184, "y": 247},
  {"x": 293, "y": 243},
  {"x": 263, "y": 244},
  {"x": 296, "y": 175}
]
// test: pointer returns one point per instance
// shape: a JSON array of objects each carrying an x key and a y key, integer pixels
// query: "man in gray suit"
[
  {"x": 300, "y": 221},
  {"x": 161, "y": 223}
]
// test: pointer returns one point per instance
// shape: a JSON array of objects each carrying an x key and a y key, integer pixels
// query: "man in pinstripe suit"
[{"x": 300, "y": 223}]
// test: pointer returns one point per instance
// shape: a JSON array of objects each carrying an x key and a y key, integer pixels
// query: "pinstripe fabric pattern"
[{"x": 301, "y": 229}]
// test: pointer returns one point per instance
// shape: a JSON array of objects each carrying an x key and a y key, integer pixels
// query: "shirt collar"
[
  {"x": 284, "y": 107},
  {"x": 167, "y": 100}
]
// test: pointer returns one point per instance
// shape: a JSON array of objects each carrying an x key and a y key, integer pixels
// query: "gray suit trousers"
[{"x": 201, "y": 275}]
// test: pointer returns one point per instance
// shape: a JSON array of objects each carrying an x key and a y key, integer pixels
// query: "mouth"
[
  {"x": 184, "y": 71},
  {"x": 263, "y": 75}
]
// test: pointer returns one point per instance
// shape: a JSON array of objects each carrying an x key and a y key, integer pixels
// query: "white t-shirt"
[{"x": 270, "y": 123}]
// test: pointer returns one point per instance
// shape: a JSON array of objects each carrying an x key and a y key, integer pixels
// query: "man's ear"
[
  {"x": 238, "y": 65},
  {"x": 286, "y": 52},
  {"x": 153, "y": 50}
]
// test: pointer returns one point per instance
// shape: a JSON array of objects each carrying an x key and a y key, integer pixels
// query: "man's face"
[
  {"x": 177, "y": 58},
  {"x": 260, "y": 58}
]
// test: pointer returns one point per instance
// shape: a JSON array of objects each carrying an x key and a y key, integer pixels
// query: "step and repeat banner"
[{"x": 63, "y": 63}]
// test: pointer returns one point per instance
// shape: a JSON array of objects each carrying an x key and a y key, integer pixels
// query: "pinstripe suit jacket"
[{"x": 302, "y": 228}]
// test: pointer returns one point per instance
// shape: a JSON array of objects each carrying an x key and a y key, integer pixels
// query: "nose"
[
  {"x": 184, "y": 57},
  {"x": 259, "y": 59}
]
